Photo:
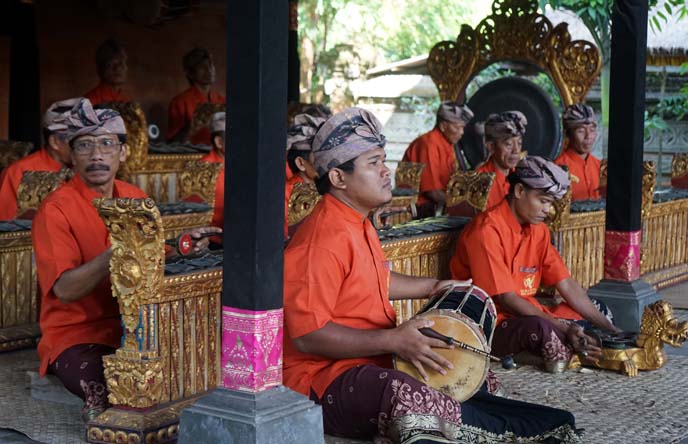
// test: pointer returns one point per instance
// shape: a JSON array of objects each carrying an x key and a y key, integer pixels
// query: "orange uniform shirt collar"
[
  {"x": 346, "y": 212},
  {"x": 505, "y": 211},
  {"x": 45, "y": 158}
]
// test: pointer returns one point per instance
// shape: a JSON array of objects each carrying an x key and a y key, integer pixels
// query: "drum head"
[
  {"x": 470, "y": 369},
  {"x": 543, "y": 133}
]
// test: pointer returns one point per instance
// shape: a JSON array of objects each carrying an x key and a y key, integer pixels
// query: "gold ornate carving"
[
  {"x": 12, "y": 150},
  {"x": 138, "y": 257},
  {"x": 133, "y": 382},
  {"x": 679, "y": 165},
  {"x": 408, "y": 175},
  {"x": 137, "y": 137},
  {"x": 516, "y": 31},
  {"x": 648, "y": 189},
  {"x": 202, "y": 116},
  {"x": 154, "y": 426},
  {"x": 659, "y": 326},
  {"x": 176, "y": 224},
  {"x": 36, "y": 185},
  {"x": 303, "y": 199},
  {"x": 471, "y": 187},
  {"x": 198, "y": 179}
]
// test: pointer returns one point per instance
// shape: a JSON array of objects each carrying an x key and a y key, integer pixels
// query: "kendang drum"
[{"x": 465, "y": 316}]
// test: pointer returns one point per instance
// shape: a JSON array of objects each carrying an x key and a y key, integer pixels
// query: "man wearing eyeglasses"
[
  {"x": 54, "y": 156},
  {"x": 79, "y": 318}
]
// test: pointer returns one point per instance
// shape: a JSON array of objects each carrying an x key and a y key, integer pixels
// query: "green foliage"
[
  {"x": 379, "y": 30},
  {"x": 423, "y": 107}
]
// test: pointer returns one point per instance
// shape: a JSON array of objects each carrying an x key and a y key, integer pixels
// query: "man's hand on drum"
[
  {"x": 411, "y": 345},
  {"x": 442, "y": 286},
  {"x": 582, "y": 343}
]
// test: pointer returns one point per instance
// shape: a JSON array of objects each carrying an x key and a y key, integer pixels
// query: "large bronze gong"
[{"x": 543, "y": 134}]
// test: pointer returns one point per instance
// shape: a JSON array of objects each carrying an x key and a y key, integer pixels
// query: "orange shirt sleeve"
[
  {"x": 176, "y": 117},
  {"x": 9, "y": 184},
  {"x": 312, "y": 289},
  {"x": 430, "y": 178},
  {"x": 553, "y": 268},
  {"x": 481, "y": 250},
  {"x": 55, "y": 248}
]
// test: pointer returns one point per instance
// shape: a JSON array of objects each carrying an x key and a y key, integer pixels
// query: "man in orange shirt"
[
  {"x": 580, "y": 128},
  {"x": 79, "y": 318},
  {"x": 54, "y": 156},
  {"x": 340, "y": 328},
  {"x": 200, "y": 72},
  {"x": 217, "y": 155},
  {"x": 507, "y": 251},
  {"x": 111, "y": 63},
  {"x": 299, "y": 157},
  {"x": 504, "y": 142},
  {"x": 435, "y": 149}
]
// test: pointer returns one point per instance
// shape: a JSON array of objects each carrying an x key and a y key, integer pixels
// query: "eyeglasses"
[{"x": 107, "y": 147}]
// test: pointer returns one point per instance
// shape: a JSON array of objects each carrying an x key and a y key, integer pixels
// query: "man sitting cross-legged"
[
  {"x": 79, "y": 318},
  {"x": 508, "y": 253},
  {"x": 340, "y": 327}
]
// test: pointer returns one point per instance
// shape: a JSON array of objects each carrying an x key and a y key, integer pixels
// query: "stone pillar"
[
  {"x": 252, "y": 406},
  {"x": 622, "y": 289}
]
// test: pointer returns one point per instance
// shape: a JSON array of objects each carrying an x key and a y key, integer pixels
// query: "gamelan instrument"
[
  {"x": 465, "y": 316},
  {"x": 184, "y": 242}
]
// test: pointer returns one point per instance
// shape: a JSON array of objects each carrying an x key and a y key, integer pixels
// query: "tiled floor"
[{"x": 677, "y": 295}]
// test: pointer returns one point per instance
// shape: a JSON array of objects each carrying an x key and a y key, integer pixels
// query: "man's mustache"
[{"x": 97, "y": 167}]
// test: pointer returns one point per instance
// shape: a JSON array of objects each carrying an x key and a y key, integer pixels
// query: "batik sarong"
[
  {"x": 80, "y": 368},
  {"x": 538, "y": 336},
  {"x": 389, "y": 406}
]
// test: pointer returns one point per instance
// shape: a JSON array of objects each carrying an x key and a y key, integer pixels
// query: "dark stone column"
[
  {"x": 252, "y": 406},
  {"x": 622, "y": 289},
  {"x": 294, "y": 76}
]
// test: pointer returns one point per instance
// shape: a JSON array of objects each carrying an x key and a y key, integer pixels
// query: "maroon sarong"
[
  {"x": 80, "y": 368},
  {"x": 370, "y": 402}
]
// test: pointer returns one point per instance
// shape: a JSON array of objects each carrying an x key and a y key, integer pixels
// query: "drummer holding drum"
[
  {"x": 507, "y": 251},
  {"x": 340, "y": 331}
]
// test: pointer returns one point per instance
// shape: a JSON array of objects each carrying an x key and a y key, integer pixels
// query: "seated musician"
[
  {"x": 217, "y": 155},
  {"x": 79, "y": 318},
  {"x": 504, "y": 142},
  {"x": 580, "y": 128},
  {"x": 435, "y": 149},
  {"x": 199, "y": 69},
  {"x": 508, "y": 253},
  {"x": 54, "y": 156},
  {"x": 312, "y": 109},
  {"x": 300, "y": 157},
  {"x": 340, "y": 327},
  {"x": 111, "y": 63}
]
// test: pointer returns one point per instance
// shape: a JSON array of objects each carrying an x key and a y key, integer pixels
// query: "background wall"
[{"x": 69, "y": 31}]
